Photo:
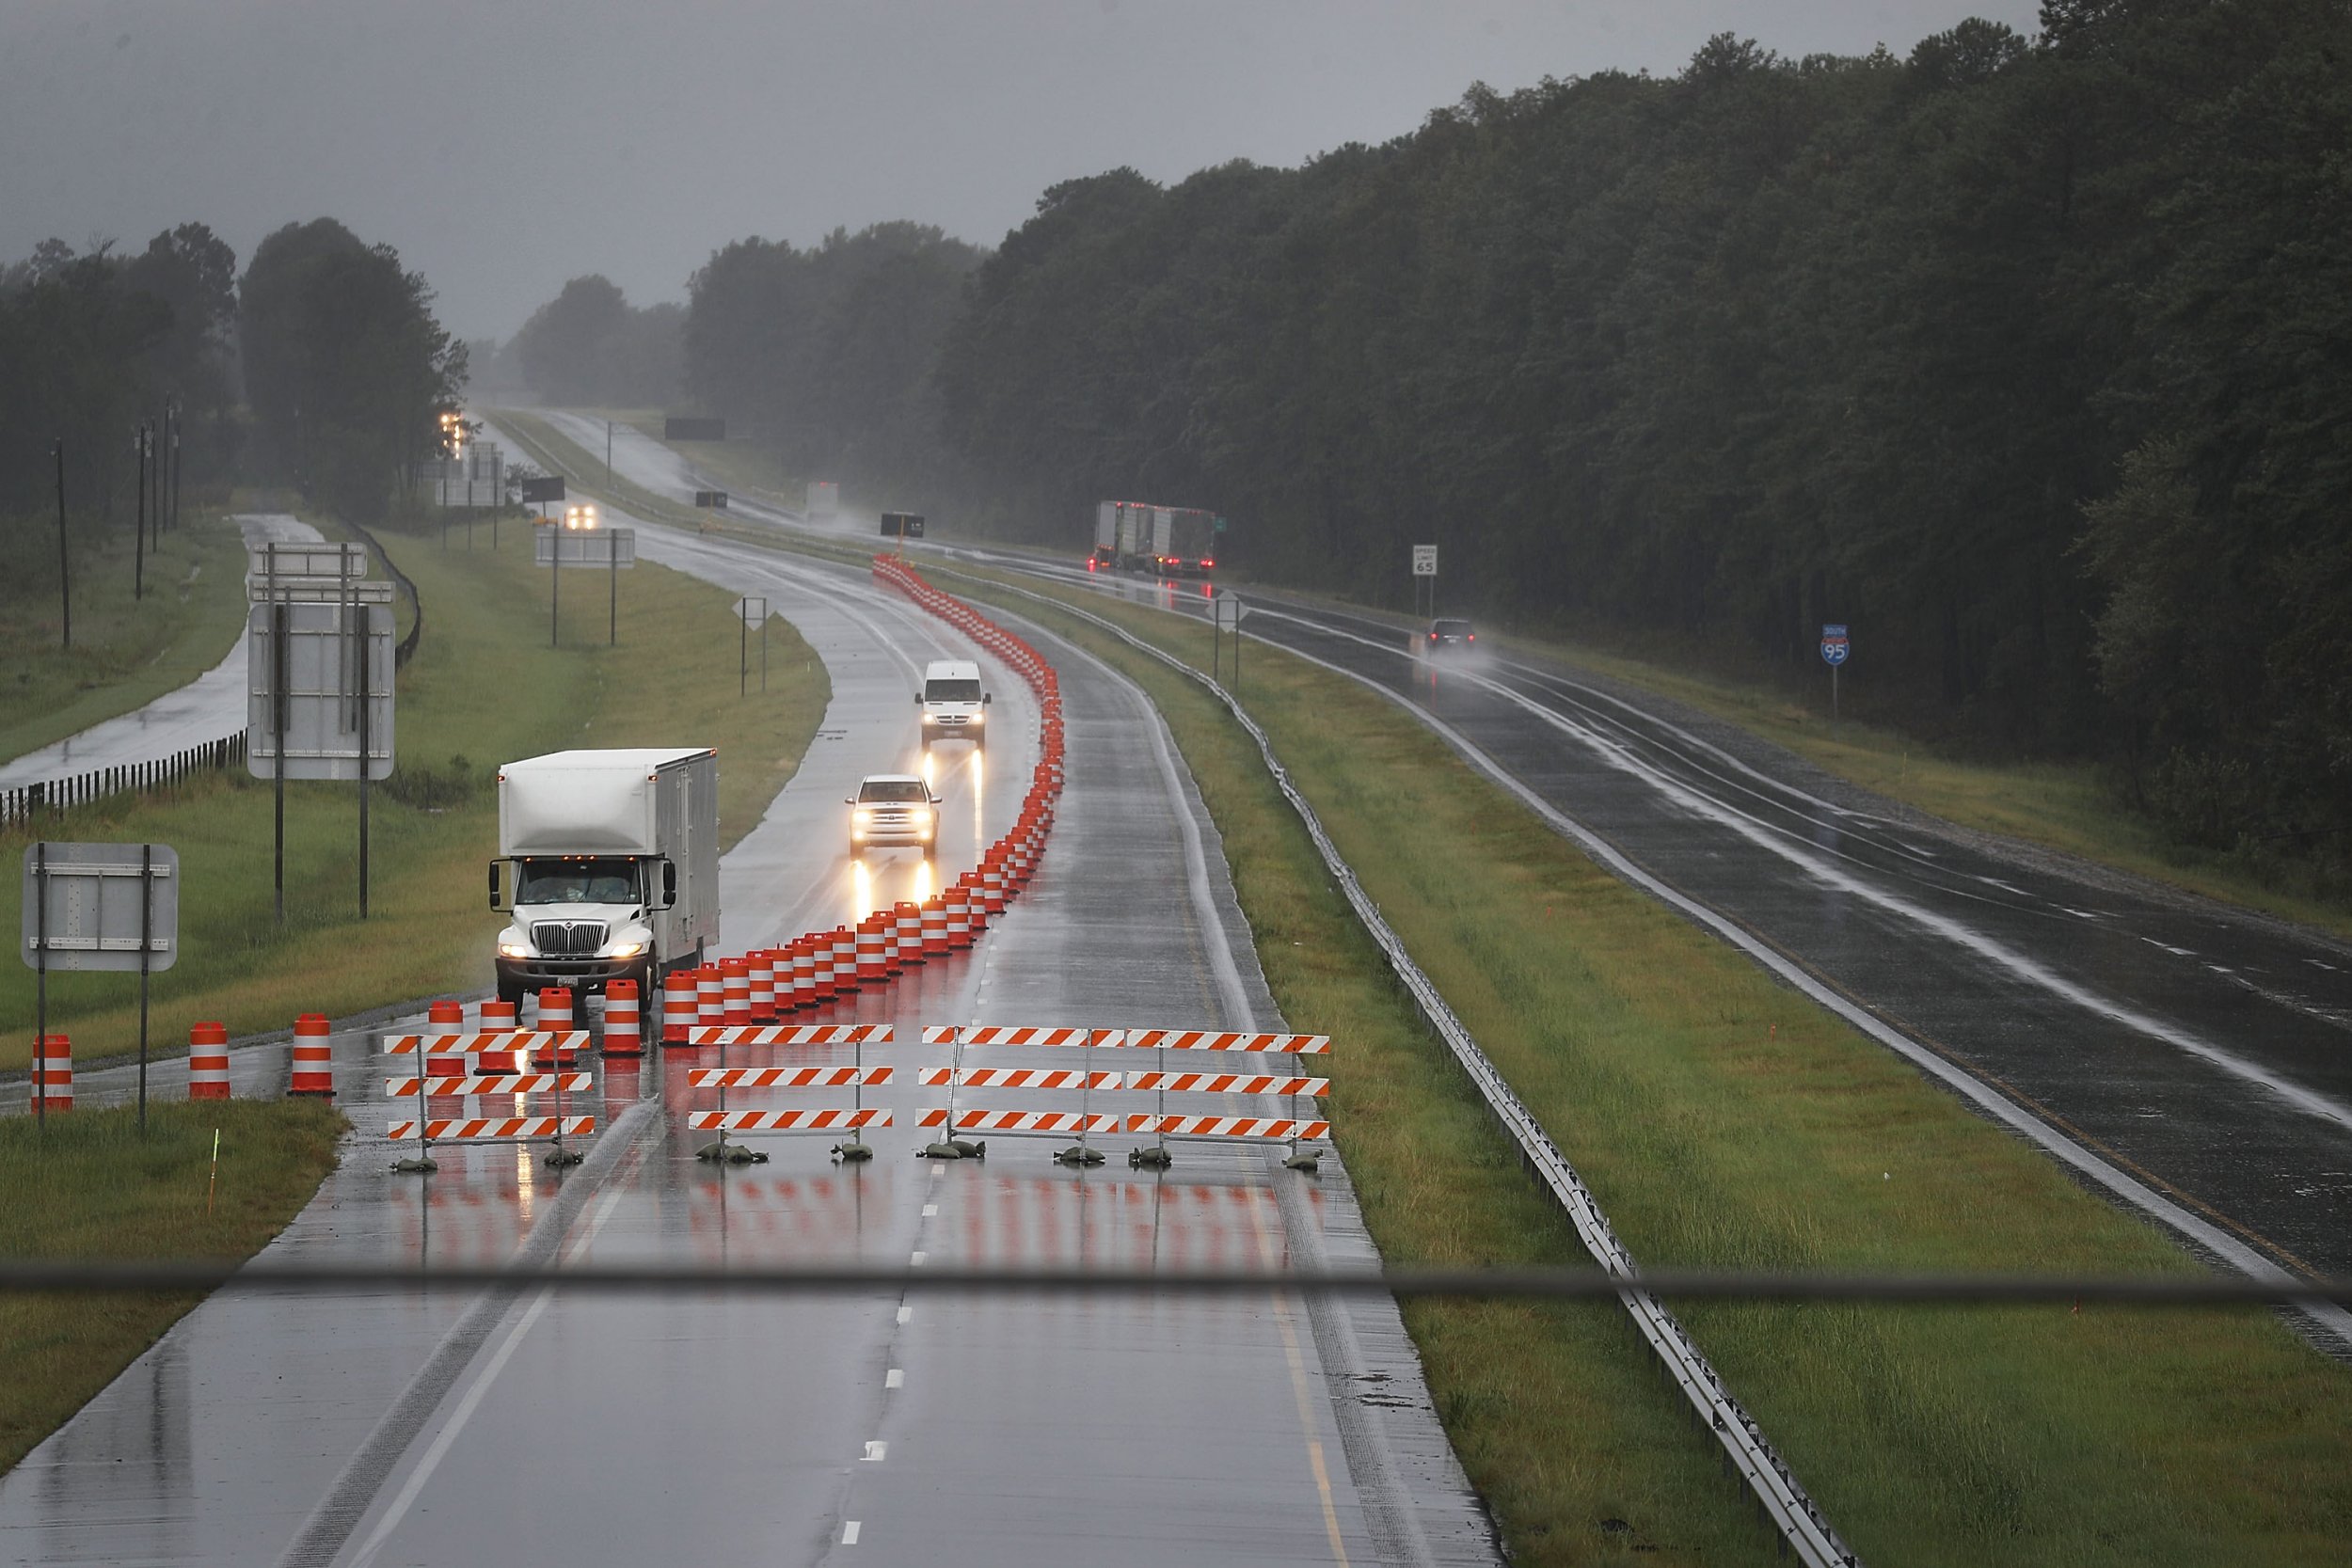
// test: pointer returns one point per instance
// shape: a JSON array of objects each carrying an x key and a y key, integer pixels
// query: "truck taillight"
[{"x": 1206, "y": 563}]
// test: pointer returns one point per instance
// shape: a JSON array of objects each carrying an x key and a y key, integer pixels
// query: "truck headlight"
[
  {"x": 625, "y": 950},
  {"x": 513, "y": 950},
  {"x": 862, "y": 816}
]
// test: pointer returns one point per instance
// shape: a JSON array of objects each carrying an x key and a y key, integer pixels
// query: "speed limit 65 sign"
[{"x": 1424, "y": 561}]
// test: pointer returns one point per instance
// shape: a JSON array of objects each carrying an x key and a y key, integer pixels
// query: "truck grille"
[{"x": 569, "y": 939}]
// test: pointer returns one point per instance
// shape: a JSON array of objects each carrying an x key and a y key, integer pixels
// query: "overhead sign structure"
[
  {"x": 1424, "y": 561},
  {"x": 102, "y": 907}
]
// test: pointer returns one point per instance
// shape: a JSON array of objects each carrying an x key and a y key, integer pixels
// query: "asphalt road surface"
[
  {"x": 208, "y": 707},
  {"x": 894, "y": 1427}
]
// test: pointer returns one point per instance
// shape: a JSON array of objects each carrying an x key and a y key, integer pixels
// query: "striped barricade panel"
[
  {"x": 513, "y": 1083},
  {"x": 453, "y": 1128},
  {"x": 1018, "y": 1121},
  {"x": 1227, "y": 1127},
  {"x": 789, "y": 1077},
  {"x": 995, "y": 1033},
  {"x": 1016, "y": 1078},
  {"x": 786, "y": 1034},
  {"x": 537, "y": 1041},
  {"x": 783, "y": 1122},
  {"x": 1227, "y": 1083},
  {"x": 1205, "y": 1040},
  {"x": 939, "y": 1034}
]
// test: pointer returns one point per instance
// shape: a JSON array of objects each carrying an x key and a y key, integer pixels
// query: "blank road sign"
[
  {"x": 1424, "y": 561},
  {"x": 583, "y": 547},
  {"x": 323, "y": 671},
  {"x": 94, "y": 915}
]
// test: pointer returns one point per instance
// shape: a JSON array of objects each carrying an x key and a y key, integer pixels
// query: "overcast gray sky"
[{"x": 507, "y": 144}]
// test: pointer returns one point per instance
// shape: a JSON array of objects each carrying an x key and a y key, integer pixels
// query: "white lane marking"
[
  {"x": 930, "y": 1210},
  {"x": 465, "y": 1407},
  {"x": 849, "y": 1532},
  {"x": 875, "y": 1452},
  {"x": 1213, "y": 933},
  {"x": 917, "y": 1260},
  {"x": 905, "y": 1312},
  {"x": 895, "y": 1378}
]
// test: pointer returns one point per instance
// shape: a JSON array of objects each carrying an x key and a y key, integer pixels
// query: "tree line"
[
  {"x": 2022, "y": 356},
  {"x": 320, "y": 367}
]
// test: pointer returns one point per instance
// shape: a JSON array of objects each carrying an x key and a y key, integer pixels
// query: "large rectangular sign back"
[{"x": 100, "y": 898}]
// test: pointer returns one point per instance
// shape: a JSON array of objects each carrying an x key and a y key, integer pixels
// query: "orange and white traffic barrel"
[
  {"x": 845, "y": 974},
  {"x": 446, "y": 1017},
  {"x": 555, "y": 1016},
  {"x": 208, "y": 1061},
  {"x": 993, "y": 884},
  {"x": 821, "y": 981},
  {"x": 934, "y": 926},
  {"x": 624, "y": 1030},
  {"x": 804, "y": 954},
  {"x": 710, "y": 997},
  {"x": 763, "y": 962},
  {"x": 53, "y": 1072},
  {"x": 872, "y": 948},
  {"x": 678, "y": 1007},
  {"x": 498, "y": 1018},
  {"x": 908, "y": 919},
  {"x": 735, "y": 992},
  {"x": 313, "y": 1059}
]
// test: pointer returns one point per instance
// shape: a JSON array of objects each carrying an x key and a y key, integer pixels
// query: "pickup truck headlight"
[
  {"x": 863, "y": 816},
  {"x": 515, "y": 950}
]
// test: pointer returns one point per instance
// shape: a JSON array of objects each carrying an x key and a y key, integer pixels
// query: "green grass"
[
  {"x": 1726, "y": 1122},
  {"x": 484, "y": 687},
  {"x": 126, "y": 651},
  {"x": 91, "y": 1186}
]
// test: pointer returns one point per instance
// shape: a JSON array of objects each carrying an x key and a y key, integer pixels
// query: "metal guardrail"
[
  {"x": 58, "y": 795},
  {"x": 406, "y": 648},
  {"x": 1786, "y": 1505}
]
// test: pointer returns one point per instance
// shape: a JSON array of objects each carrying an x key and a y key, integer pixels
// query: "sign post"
[
  {"x": 748, "y": 608},
  {"x": 1835, "y": 649},
  {"x": 98, "y": 907},
  {"x": 1425, "y": 565},
  {"x": 1227, "y": 611}
]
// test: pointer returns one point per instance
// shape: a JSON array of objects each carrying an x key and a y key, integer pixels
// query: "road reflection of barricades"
[
  {"x": 749, "y": 1217},
  {"x": 1128, "y": 1222},
  {"x": 470, "y": 1214}
]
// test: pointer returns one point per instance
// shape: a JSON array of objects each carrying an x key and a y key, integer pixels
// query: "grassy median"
[
  {"x": 128, "y": 649},
  {"x": 89, "y": 1185},
  {"x": 1726, "y": 1122},
  {"x": 484, "y": 687}
]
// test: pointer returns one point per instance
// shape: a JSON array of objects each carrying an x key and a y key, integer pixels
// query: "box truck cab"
[
  {"x": 953, "y": 705},
  {"x": 609, "y": 864}
]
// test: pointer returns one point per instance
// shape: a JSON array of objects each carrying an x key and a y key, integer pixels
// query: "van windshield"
[
  {"x": 951, "y": 691},
  {"x": 583, "y": 882}
]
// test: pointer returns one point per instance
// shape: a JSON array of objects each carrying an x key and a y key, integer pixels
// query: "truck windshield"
[
  {"x": 585, "y": 881},
  {"x": 951, "y": 691},
  {"x": 894, "y": 789}
]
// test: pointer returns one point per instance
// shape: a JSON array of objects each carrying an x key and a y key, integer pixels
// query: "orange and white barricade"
[
  {"x": 52, "y": 1074},
  {"x": 677, "y": 1006},
  {"x": 735, "y": 990},
  {"x": 763, "y": 983},
  {"x": 624, "y": 1023}
]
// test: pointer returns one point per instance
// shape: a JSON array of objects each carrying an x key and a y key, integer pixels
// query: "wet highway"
[
  {"x": 208, "y": 707},
  {"x": 414, "y": 1428},
  {"x": 2193, "y": 1060}
]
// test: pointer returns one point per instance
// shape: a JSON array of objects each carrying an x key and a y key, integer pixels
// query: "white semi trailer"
[
  {"x": 1165, "y": 541},
  {"x": 609, "y": 864}
]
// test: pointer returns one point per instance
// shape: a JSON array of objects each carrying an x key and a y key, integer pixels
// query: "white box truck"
[
  {"x": 1165, "y": 541},
  {"x": 609, "y": 863}
]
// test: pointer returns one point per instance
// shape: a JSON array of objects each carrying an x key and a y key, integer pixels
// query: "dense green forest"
[
  {"x": 2031, "y": 360},
  {"x": 320, "y": 367},
  {"x": 589, "y": 347}
]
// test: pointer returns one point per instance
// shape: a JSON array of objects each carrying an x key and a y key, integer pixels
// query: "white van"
[{"x": 954, "y": 706}]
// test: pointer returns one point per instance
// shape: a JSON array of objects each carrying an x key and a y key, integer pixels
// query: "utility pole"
[
  {"x": 65, "y": 565},
  {"x": 138, "y": 531},
  {"x": 607, "y": 459}
]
